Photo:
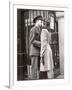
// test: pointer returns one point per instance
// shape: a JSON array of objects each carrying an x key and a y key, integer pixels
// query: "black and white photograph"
[
  {"x": 36, "y": 44},
  {"x": 40, "y": 44},
  {"x": 39, "y": 52}
]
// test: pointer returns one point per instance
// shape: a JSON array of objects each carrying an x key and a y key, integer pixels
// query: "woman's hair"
[{"x": 46, "y": 24}]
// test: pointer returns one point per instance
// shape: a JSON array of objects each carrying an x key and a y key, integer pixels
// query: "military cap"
[{"x": 37, "y": 18}]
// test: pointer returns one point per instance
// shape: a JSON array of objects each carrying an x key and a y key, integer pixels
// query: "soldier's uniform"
[{"x": 35, "y": 45}]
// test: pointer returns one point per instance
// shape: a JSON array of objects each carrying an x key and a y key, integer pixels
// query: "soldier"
[{"x": 35, "y": 45}]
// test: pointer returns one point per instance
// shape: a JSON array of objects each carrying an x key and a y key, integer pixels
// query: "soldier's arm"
[
  {"x": 33, "y": 40},
  {"x": 37, "y": 43}
]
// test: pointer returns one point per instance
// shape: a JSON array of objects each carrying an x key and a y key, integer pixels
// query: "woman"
[{"x": 46, "y": 52}]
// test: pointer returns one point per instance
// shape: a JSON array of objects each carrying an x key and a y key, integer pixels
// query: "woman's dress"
[{"x": 46, "y": 50}]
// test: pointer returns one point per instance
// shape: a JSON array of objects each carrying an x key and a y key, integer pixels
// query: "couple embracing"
[{"x": 40, "y": 50}]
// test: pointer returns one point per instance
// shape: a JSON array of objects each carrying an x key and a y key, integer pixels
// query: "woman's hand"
[
  {"x": 41, "y": 54},
  {"x": 42, "y": 59}
]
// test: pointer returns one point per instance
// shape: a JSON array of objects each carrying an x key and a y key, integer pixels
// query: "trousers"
[{"x": 34, "y": 67}]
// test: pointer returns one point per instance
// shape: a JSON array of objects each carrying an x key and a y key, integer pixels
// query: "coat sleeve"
[
  {"x": 43, "y": 42},
  {"x": 33, "y": 39}
]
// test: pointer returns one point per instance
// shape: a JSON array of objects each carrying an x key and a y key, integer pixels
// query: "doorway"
[{"x": 24, "y": 24}]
